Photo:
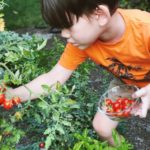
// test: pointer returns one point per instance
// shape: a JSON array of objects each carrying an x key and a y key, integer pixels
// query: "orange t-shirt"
[{"x": 128, "y": 58}]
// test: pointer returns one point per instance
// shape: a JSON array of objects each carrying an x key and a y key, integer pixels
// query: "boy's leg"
[{"x": 104, "y": 126}]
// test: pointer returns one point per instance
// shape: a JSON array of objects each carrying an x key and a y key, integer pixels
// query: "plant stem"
[{"x": 4, "y": 65}]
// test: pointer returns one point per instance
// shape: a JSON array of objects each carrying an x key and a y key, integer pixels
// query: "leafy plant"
[
  {"x": 9, "y": 135},
  {"x": 52, "y": 119},
  {"x": 85, "y": 142}
]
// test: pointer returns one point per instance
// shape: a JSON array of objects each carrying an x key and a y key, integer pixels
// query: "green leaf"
[
  {"x": 42, "y": 105},
  {"x": 48, "y": 142},
  {"x": 1, "y": 15},
  {"x": 70, "y": 101},
  {"x": 60, "y": 129},
  {"x": 37, "y": 118},
  {"x": 42, "y": 45},
  {"x": 78, "y": 146},
  {"x": 56, "y": 116},
  {"x": 53, "y": 98},
  {"x": 46, "y": 88},
  {"x": 5, "y": 147},
  {"x": 48, "y": 131},
  {"x": 66, "y": 123}
]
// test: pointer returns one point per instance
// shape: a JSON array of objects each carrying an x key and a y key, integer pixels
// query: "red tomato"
[
  {"x": 119, "y": 112},
  {"x": 126, "y": 114},
  {"x": 16, "y": 100},
  {"x": 126, "y": 102},
  {"x": 8, "y": 104},
  {"x": 120, "y": 100},
  {"x": 131, "y": 101},
  {"x": 42, "y": 145},
  {"x": 125, "y": 107},
  {"x": 117, "y": 106},
  {"x": 108, "y": 102},
  {"x": 2, "y": 98}
]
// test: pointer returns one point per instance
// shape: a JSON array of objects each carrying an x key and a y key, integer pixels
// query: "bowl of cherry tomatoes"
[{"x": 117, "y": 103}]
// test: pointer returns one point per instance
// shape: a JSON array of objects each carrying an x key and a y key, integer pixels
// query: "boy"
[{"x": 115, "y": 38}]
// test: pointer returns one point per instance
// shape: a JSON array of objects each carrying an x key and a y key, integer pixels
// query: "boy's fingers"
[
  {"x": 140, "y": 110},
  {"x": 136, "y": 109},
  {"x": 139, "y": 93},
  {"x": 144, "y": 109}
]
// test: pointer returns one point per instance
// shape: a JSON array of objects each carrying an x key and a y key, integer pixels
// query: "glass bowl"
[{"x": 117, "y": 103}]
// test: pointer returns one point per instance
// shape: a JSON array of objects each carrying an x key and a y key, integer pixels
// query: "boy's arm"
[{"x": 57, "y": 74}]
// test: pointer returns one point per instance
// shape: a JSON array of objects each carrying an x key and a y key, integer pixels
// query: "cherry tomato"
[
  {"x": 120, "y": 100},
  {"x": 125, "y": 107},
  {"x": 42, "y": 145},
  {"x": 116, "y": 106},
  {"x": 119, "y": 112},
  {"x": 131, "y": 101},
  {"x": 16, "y": 100},
  {"x": 8, "y": 104},
  {"x": 126, "y": 114},
  {"x": 2, "y": 98},
  {"x": 126, "y": 102},
  {"x": 108, "y": 102}
]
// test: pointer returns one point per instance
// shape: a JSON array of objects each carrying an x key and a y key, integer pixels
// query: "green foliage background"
[{"x": 25, "y": 13}]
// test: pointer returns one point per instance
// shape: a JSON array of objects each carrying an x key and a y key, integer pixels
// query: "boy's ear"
[{"x": 102, "y": 14}]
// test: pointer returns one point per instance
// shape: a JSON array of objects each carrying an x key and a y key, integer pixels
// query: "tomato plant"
[{"x": 52, "y": 119}]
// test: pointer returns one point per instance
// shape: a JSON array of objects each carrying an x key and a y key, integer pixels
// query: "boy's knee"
[
  {"x": 102, "y": 126},
  {"x": 101, "y": 131}
]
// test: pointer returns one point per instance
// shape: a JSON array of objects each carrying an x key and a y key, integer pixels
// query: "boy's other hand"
[{"x": 144, "y": 94}]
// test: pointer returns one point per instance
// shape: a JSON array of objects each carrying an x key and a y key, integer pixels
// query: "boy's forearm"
[
  {"x": 31, "y": 90},
  {"x": 34, "y": 89}
]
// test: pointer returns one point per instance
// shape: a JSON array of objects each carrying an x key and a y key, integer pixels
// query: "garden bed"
[{"x": 136, "y": 130}]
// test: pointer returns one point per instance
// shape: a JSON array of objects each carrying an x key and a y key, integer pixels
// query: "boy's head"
[{"x": 59, "y": 13}]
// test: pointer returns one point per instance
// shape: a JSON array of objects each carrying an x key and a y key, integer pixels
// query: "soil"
[{"x": 135, "y": 130}]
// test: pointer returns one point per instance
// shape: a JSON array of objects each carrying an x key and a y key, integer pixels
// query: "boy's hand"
[{"x": 144, "y": 94}]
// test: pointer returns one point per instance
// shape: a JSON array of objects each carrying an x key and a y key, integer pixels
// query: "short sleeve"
[{"x": 72, "y": 57}]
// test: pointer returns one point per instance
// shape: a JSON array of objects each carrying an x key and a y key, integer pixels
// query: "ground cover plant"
[{"x": 50, "y": 121}]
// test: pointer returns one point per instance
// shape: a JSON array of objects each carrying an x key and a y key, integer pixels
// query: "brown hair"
[{"x": 58, "y": 13}]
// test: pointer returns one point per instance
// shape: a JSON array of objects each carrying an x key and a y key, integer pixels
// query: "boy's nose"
[{"x": 65, "y": 33}]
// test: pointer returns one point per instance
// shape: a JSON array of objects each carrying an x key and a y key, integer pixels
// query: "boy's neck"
[{"x": 114, "y": 30}]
